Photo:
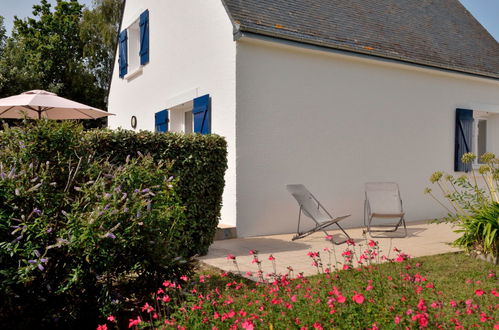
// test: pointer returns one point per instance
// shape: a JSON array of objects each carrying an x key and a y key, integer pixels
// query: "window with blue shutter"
[
  {"x": 161, "y": 121},
  {"x": 144, "y": 37},
  {"x": 463, "y": 138},
  {"x": 123, "y": 53},
  {"x": 202, "y": 114}
]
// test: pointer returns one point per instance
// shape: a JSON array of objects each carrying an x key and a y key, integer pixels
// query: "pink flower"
[
  {"x": 253, "y": 252},
  {"x": 294, "y": 298},
  {"x": 372, "y": 243},
  {"x": 271, "y": 258},
  {"x": 422, "y": 305},
  {"x": 102, "y": 327},
  {"x": 350, "y": 242},
  {"x": 111, "y": 318},
  {"x": 147, "y": 308},
  {"x": 133, "y": 322},
  {"x": 231, "y": 257},
  {"x": 184, "y": 278},
  {"x": 346, "y": 267},
  {"x": 341, "y": 299},
  {"x": 479, "y": 292},
  {"x": 248, "y": 325},
  {"x": 490, "y": 275},
  {"x": 358, "y": 298},
  {"x": 329, "y": 237},
  {"x": 397, "y": 319},
  {"x": 453, "y": 303},
  {"x": 255, "y": 260},
  {"x": 318, "y": 326},
  {"x": 494, "y": 292}
]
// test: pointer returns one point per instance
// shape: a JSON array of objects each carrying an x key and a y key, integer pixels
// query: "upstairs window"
[{"x": 134, "y": 46}]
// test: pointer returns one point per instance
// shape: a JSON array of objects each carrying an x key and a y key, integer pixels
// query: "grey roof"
[{"x": 436, "y": 33}]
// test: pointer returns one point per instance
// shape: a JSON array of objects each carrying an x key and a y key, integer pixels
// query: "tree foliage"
[
  {"x": 66, "y": 49},
  {"x": 99, "y": 30}
]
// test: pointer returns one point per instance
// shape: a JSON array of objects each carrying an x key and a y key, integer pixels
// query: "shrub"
[
  {"x": 198, "y": 162},
  {"x": 473, "y": 204},
  {"x": 80, "y": 231}
]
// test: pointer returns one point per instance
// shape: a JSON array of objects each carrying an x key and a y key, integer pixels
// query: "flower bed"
[{"x": 432, "y": 292}]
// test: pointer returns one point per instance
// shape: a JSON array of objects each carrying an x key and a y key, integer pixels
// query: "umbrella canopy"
[{"x": 39, "y": 104}]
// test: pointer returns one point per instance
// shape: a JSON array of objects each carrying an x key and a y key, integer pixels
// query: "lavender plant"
[{"x": 79, "y": 234}]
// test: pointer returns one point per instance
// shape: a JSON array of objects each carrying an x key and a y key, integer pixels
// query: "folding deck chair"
[
  {"x": 383, "y": 201},
  {"x": 312, "y": 208}
]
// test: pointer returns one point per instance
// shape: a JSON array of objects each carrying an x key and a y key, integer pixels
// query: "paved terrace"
[{"x": 423, "y": 239}]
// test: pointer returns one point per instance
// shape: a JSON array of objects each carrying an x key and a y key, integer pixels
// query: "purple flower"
[
  {"x": 37, "y": 211},
  {"x": 110, "y": 235},
  {"x": 37, "y": 254},
  {"x": 107, "y": 195},
  {"x": 40, "y": 267},
  {"x": 32, "y": 262},
  {"x": 49, "y": 230}
]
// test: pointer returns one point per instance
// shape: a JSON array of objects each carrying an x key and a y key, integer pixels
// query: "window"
[
  {"x": 479, "y": 134},
  {"x": 192, "y": 117},
  {"x": 471, "y": 136},
  {"x": 188, "y": 122},
  {"x": 134, "y": 46}
]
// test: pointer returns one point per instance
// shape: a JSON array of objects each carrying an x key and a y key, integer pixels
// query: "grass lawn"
[{"x": 447, "y": 291}]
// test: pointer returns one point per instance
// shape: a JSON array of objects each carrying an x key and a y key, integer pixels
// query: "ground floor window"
[
  {"x": 473, "y": 134},
  {"x": 192, "y": 116}
]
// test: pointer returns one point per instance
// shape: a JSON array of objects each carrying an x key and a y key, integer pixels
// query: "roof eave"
[{"x": 244, "y": 30}]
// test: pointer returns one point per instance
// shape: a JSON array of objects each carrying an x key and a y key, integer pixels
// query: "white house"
[{"x": 328, "y": 93}]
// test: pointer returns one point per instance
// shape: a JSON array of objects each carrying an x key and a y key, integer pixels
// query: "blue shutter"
[
  {"x": 161, "y": 121},
  {"x": 123, "y": 53},
  {"x": 202, "y": 114},
  {"x": 144, "y": 37},
  {"x": 464, "y": 132}
]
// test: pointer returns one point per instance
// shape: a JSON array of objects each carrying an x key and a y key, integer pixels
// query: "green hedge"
[
  {"x": 90, "y": 221},
  {"x": 198, "y": 163}
]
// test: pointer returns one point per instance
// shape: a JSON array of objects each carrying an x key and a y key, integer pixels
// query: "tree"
[
  {"x": 99, "y": 31},
  {"x": 3, "y": 34},
  {"x": 68, "y": 50}
]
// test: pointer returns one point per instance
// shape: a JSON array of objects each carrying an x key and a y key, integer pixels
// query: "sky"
[{"x": 485, "y": 11}]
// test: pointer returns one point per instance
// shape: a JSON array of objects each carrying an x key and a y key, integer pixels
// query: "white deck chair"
[
  {"x": 313, "y": 209},
  {"x": 383, "y": 201}
]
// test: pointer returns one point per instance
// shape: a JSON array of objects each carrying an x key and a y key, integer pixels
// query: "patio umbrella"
[{"x": 37, "y": 104}]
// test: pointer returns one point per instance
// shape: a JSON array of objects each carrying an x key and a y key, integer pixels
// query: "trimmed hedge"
[
  {"x": 198, "y": 163},
  {"x": 91, "y": 221}
]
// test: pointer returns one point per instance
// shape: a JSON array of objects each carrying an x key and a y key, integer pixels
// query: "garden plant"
[
  {"x": 472, "y": 203},
  {"x": 82, "y": 233},
  {"x": 354, "y": 293}
]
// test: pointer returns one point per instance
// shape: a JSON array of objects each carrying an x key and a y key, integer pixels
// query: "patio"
[{"x": 423, "y": 239}]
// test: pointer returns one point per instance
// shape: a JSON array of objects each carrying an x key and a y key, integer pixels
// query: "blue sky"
[{"x": 485, "y": 11}]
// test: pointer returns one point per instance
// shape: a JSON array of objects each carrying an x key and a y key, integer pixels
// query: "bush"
[
  {"x": 198, "y": 162},
  {"x": 473, "y": 204},
  {"x": 80, "y": 231}
]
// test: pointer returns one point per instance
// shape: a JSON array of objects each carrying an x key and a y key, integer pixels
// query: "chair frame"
[
  {"x": 319, "y": 226},
  {"x": 370, "y": 216}
]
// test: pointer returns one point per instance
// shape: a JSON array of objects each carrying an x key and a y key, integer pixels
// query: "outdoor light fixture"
[{"x": 133, "y": 122}]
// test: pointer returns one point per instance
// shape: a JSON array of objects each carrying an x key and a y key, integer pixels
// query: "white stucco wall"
[
  {"x": 192, "y": 53},
  {"x": 334, "y": 122}
]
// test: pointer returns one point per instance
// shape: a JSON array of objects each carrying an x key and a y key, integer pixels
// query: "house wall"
[
  {"x": 334, "y": 122},
  {"x": 192, "y": 53}
]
